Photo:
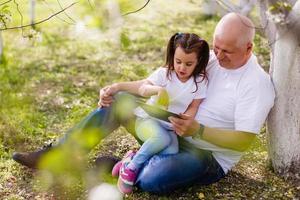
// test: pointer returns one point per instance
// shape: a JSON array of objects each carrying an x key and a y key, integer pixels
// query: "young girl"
[{"x": 180, "y": 87}]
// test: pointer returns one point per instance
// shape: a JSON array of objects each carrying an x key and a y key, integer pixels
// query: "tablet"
[{"x": 157, "y": 112}]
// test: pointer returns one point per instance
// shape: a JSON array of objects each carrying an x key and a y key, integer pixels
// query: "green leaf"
[{"x": 125, "y": 41}]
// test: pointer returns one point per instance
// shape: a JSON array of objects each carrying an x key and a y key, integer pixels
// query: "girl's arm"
[
  {"x": 193, "y": 108},
  {"x": 106, "y": 94},
  {"x": 147, "y": 90},
  {"x": 131, "y": 87},
  {"x": 142, "y": 87}
]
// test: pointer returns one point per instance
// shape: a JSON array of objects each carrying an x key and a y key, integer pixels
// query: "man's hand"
[
  {"x": 106, "y": 95},
  {"x": 185, "y": 125}
]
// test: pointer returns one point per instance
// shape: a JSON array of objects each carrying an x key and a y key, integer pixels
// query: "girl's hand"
[
  {"x": 162, "y": 98},
  {"x": 185, "y": 125},
  {"x": 106, "y": 95}
]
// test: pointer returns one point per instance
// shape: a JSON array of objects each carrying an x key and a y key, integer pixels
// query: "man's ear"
[{"x": 249, "y": 47}]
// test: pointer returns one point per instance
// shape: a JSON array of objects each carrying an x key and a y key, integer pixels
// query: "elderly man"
[{"x": 239, "y": 97}]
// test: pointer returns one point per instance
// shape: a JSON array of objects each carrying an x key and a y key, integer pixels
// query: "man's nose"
[{"x": 220, "y": 54}]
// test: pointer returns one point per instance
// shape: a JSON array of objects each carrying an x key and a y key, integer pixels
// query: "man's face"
[{"x": 229, "y": 54}]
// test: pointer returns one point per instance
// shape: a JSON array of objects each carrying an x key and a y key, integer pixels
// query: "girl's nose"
[{"x": 182, "y": 68}]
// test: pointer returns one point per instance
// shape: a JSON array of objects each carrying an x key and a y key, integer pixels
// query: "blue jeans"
[
  {"x": 157, "y": 140},
  {"x": 161, "y": 173}
]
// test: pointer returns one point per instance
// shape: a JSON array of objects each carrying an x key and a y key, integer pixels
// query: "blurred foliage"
[
  {"x": 280, "y": 7},
  {"x": 5, "y": 16}
]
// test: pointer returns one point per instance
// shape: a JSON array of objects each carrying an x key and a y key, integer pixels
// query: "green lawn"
[{"x": 47, "y": 86}]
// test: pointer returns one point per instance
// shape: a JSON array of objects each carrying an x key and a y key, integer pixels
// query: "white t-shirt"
[
  {"x": 237, "y": 99},
  {"x": 181, "y": 94}
]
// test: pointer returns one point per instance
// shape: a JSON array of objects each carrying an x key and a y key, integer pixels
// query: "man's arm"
[
  {"x": 236, "y": 140},
  {"x": 231, "y": 139}
]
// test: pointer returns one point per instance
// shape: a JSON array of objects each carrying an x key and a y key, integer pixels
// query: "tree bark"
[
  {"x": 32, "y": 12},
  {"x": 284, "y": 120},
  {"x": 1, "y": 47},
  {"x": 246, "y": 6}
]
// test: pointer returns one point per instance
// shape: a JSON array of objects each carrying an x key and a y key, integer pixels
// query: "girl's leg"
[
  {"x": 173, "y": 146},
  {"x": 165, "y": 173},
  {"x": 156, "y": 139}
]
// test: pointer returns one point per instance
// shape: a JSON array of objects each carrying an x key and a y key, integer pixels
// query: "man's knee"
[
  {"x": 153, "y": 175},
  {"x": 124, "y": 105},
  {"x": 122, "y": 95}
]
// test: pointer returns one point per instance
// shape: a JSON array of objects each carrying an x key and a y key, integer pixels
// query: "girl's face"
[{"x": 184, "y": 64}]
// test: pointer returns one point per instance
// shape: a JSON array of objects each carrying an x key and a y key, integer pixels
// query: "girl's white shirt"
[{"x": 181, "y": 94}]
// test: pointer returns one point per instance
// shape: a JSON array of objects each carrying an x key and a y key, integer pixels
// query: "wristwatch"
[{"x": 199, "y": 133}]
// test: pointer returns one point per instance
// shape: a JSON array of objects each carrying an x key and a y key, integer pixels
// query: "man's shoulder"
[
  {"x": 256, "y": 79},
  {"x": 255, "y": 72}
]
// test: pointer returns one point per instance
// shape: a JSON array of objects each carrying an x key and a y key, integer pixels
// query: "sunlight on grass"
[{"x": 105, "y": 191}]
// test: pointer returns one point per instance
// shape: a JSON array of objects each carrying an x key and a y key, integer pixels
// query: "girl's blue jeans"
[
  {"x": 161, "y": 173},
  {"x": 156, "y": 138}
]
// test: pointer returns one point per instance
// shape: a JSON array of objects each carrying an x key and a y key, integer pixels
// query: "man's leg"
[
  {"x": 165, "y": 173},
  {"x": 86, "y": 134}
]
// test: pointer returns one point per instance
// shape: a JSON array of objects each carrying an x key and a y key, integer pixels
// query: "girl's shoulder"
[
  {"x": 162, "y": 69},
  {"x": 159, "y": 76}
]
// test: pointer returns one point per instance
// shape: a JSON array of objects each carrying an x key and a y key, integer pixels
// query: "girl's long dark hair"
[{"x": 190, "y": 43}]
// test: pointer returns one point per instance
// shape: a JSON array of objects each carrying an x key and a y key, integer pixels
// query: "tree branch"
[
  {"x": 269, "y": 27},
  {"x": 17, "y": 7},
  {"x": 39, "y": 22},
  {"x": 137, "y": 9},
  {"x": 227, "y": 5},
  {"x": 290, "y": 17},
  {"x": 294, "y": 17},
  {"x": 65, "y": 12},
  {"x": 292, "y": 2},
  {"x": 65, "y": 21},
  {"x": 5, "y": 2}
]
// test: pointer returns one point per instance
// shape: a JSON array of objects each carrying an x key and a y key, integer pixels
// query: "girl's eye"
[
  {"x": 178, "y": 62},
  {"x": 188, "y": 65}
]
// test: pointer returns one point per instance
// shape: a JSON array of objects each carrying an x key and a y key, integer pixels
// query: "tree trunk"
[
  {"x": 284, "y": 120},
  {"x": 31, "y": 12},
  {"x": 115, "y": 21},
  {"x": 246, "y": 6},
  {"x": 1, "y": 48},
  {"x": 209, "y": 8}
]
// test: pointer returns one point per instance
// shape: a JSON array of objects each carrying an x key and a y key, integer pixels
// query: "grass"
[{"x": 48, "y": 86}]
